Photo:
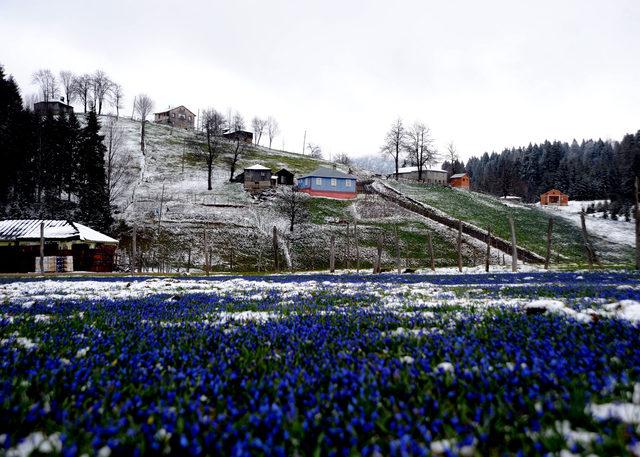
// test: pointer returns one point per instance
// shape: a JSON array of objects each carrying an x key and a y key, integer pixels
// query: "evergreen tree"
[{"x": 94, "y": 209}]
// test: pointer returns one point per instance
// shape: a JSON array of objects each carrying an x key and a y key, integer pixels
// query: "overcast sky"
[{"x": 484, "y": 74}]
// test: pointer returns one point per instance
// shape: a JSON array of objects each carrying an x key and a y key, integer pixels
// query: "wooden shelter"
[
  {"x": 68, "y": 246},
  {"x": 242, "y": 136},
  {"x": 460, "y": 180},
  {"x": 284, "y": 177},
  {"x": 554, "y": 197}
]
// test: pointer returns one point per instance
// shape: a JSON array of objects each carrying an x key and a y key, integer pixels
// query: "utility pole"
[{"x": 304, "y": 141}]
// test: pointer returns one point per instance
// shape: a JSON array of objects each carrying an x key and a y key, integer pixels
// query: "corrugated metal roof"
[
  {"x": 324, "y": 172},
  {"x": 29, "y": 229},
  {"x": 459, "y": 175},
  {"x": 258, "y": 167}
]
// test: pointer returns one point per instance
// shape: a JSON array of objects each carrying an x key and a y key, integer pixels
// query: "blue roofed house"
[{"x": 328, "y": 182}]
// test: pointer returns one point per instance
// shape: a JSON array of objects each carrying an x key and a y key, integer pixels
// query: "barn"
[
  {"x": 459, "y": 180},
  {"x": 328, "y": 182},
  {"x": 554, "y": 197},
  {"x": 429, "y": 176},
  {"x": 68, "y": 246}
]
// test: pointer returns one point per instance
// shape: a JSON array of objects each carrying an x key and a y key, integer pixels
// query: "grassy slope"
[{"x": 485, "y": 211}]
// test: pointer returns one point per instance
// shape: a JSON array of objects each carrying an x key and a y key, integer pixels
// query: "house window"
[
  {"x": 334, "y": 182},
  {"x": 348, "y": 183},
  {"x": 319, "y": 181},
  {"x": 173, "y": 114}
]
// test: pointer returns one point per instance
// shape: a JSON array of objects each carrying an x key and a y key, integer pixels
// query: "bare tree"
[
  {"x": 394, "y": 142},
  {"x": 273, "y": 129},
  {"x": 419, "y": 146},
  {"x": 143, "y": 106},
  {"x": 258, "y": 126},
  {"x": 233, "y": 161},
  {"x": 452, "y": 153},
  {"x": 116, "y": 96},
  {"x": 101, "y": 88},
  {"x": 344, "y": 159},
  {"x": 30, "y": 100},
  {"x": 292, "y": 204},
  {"x": 47, "y": 84},
  {"x": 116, "y": 160},
  {"x": 213, "y": 123},
  {"x": 314, "y": 151},
  {"x": 82, "y": 88},
  {"x": 66, "y": 79}
]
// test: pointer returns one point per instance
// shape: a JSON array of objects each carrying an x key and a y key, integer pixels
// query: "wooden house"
[
  {"x": 284, "y": 177},
  {"x": 460, "y": 180},
  {"x": 328, "y": 182},
  {"x": 68, "y": 246},
  {"x": 179, "y": 116},
  {"x": 256, "y": 178},
  {"x": 554, "y": 197},
  {"x": 242, "y": 136},
  {"x": 55, "y": 107}
]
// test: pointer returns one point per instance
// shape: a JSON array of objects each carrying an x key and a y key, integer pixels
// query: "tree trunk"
[
  {"x": 433, "y": 260},
  {"x": 459, "y": 245},
  {"x": 133, "y": 249},
  {"x": 142, "y": 137},
  {"x": 207, "y": 257},
  {"x": 514, "y": 246},
  {"x": 488, "y": 259},
  {"x": 547, "y": 258}
]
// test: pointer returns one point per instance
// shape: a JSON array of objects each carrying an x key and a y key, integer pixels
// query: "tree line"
[
  {"x": 94, "y": 90},
  {"x": 53, "y": 167},
  {"x": 590, "y": 170}
]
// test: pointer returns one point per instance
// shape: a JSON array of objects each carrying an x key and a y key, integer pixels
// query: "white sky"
[{"x": 485, "y": 74}]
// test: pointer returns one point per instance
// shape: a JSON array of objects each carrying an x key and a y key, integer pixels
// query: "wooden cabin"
[
  {"x": 460, "y": 180},
  {"x": 284, "y": 177},
  {"x": 256, "y": 178},
  {"x": 179, "y": 116},
  {"x": 242, "y": 136},
  {"x": 68, "y": 246},
  {"x": 554, "y": 197},
  {"x": 328, "y": 182}
]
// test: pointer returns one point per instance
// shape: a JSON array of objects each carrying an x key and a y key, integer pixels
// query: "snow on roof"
[
  {"x": 324, "y": 172},
  {"x": 173, "y": 109},
  {"x": 458, "y": 175},
  {"x": 257, "y": 167},
  {"x": 28, "y": 229}
]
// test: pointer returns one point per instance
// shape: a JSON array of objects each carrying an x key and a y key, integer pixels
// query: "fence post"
[
  {"x": 41, "y": 247},
  {"x": 377, "y": 266},
  {"x": 206, "y": 252},
  {"x": 276, "y": 264},
  {"x": 637, "y": 223},
  {"x": 488, "y": 259},
  {"x": 547, "y": 258},
  {"x": 398, "y": 261},
  {"x": 332, "y": 254},
  {"x": 433, "y": 260},
  {"x": 189, "y": 259},
  {"x": 348, "y": 249},
  {"x": 514, "y": 246},
  {"x": 591, "y": 255},
  {"x": 134, "y": 253},
  {"x": 459, "y": 245},
  {"x": 355, "y": 240}
]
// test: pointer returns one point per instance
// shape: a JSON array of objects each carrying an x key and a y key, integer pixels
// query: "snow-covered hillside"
[{"x": 617, "y": 232}]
